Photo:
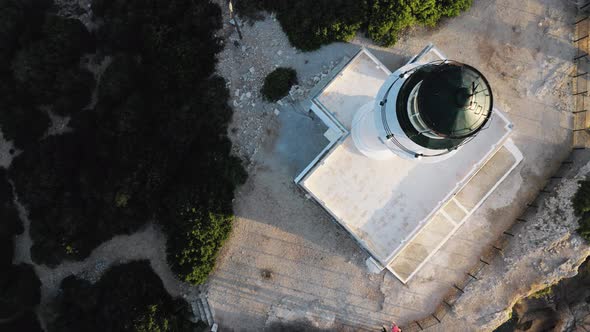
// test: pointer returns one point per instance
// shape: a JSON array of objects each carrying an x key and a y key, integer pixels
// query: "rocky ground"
[
  {"x": 545, "y": 250},
  {"x": 561, "y": 307},
  {"x": 245, "y": 62}
]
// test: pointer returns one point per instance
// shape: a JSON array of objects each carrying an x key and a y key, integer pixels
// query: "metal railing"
[{"x": 581, "y": 117}]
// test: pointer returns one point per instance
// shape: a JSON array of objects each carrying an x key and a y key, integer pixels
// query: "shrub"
[
  {"x": 581, "y": 200},
  {"x": 128, "y": 297},
  {"x": 74, "y": 88},
  {"x": 451, "y": 8},
  {"x": 19, "y": 290},
  {"x": 159, "y": 128},
  {"x": 581, "y": 203},
  {"x": 21, "y": 23},
  {"x": 21, "y": 121},
  {"x": 584, "y": 229},
  {"x": 312, "y": 23},
  {"x": 193, "y": 246},
  {"x": 27, "y": 321},
  {"x": 119, "y": 80},
  {"x": 278, "y": 83},
  {"x": 35, "y": 66},
  {"x": 43, "y": 52}
]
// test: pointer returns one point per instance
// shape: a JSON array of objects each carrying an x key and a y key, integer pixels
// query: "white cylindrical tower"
[{"x": 424, "y": 112}]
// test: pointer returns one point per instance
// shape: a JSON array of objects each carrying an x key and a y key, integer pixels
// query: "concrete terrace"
[
  {"x": 287, "y": 262},
  {"x": 397, "y": 206}
]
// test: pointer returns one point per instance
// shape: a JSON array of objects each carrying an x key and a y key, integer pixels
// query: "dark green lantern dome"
[
  {"x": 440, "y": 105},
  {"x": 454, "y": 100}
]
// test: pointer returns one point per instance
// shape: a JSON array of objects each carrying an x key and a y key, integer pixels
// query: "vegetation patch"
[
  {"x": 545, "y": 292},
  {"x": 310, "y": 24},
  {"x": 19, "y": 285},
  {"x": 128, "y": 297},
  {"x": 278, "y": 83},
  {"x": 154, "y": 146},
  {"x": 40, "y": 68},
  {"x": 581, "y": 203}
]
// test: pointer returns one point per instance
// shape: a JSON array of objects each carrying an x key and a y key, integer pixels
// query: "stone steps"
[{"x": 202, "y": 310}]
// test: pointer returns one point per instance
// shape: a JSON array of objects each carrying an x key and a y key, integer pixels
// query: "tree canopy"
[
  {"x": 128, "y": 297},
  {"x": 154, "y": 144},
  {"x": 310, "y": 24}
]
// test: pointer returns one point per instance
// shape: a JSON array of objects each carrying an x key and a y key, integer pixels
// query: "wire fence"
[{"x": 490, "y": 254}]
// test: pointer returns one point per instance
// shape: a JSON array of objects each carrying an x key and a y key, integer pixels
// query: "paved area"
[{"x": 288, "y": 262}]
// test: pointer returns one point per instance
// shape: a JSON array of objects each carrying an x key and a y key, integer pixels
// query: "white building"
[{"x": 398, "y": 176}]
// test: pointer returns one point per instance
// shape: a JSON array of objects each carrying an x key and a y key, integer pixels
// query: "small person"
[{"x": 395, "y": 328}]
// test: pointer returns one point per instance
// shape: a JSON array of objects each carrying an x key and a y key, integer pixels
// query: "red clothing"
[{"x": 395, "y": 328}]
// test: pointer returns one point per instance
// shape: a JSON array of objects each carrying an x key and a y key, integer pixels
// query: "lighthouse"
[
  {"x": 424, "y": 112},
  {"x": 411, "y": 154}
]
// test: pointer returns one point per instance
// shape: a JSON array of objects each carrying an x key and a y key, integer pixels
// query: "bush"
[
  {"x": 21, "y": 121},
  {"x": 581, "y": 203},
  {"x": 35, "y": 66},
  {"x": 451, "y": 8},
  {"x": 74, "y": 89},
  {"x": 158, "y": 129},
  {"x": 128, "y": 297},
  {"x": 43, "y": 53},
  {"x": 278, "y": 83},
  {"x": 20, "y": 290},
  {"x": 581, "y": 200},
  {"x": 193, "y": 246},
  {"x": 21, "y": 23},
  {"x": 28, "y": 321},
  {"x": 312, "y": 23}
]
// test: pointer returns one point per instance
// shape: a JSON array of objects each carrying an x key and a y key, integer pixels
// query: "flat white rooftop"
[{"x": 400, "y": 211}]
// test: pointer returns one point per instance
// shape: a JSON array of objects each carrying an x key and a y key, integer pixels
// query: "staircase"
[{"x": 202, "y": 310}]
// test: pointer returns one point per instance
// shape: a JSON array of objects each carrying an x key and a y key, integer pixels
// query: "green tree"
[
  {"x": 581, "y": 200},
  {"x": 74, "y": 88},
  {"x": 21, "y": 121},
  {"x": 128, "y": 297},
  {"x": 194, "y": 243},
  {"x": 19, "y": 290},
  {"x": 311, "y": 23}
]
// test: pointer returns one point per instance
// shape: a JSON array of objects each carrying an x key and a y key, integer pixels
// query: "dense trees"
[
  {"x": 154, "y": 144},
  {"x": 39, "y": 66},
  {"x": 129, "y": 297},
  {"x": 19, "y": 285},
  {"x": 312, "y": 23},
  {"x": 19, "y": 290}
]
